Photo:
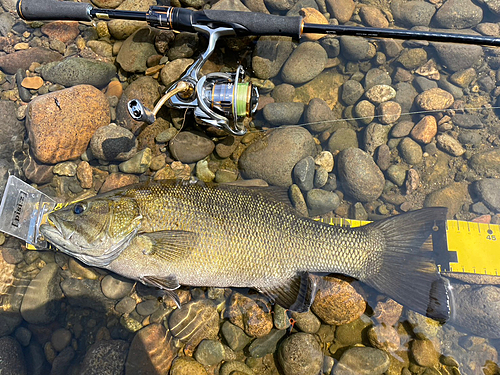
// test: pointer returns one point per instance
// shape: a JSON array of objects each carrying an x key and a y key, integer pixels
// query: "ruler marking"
[
  {"x": 478, "y": 228},
  {"x": 468, "y": 227}
]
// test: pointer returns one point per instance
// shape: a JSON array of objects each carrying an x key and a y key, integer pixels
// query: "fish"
[{"x": 168, "y": 233}]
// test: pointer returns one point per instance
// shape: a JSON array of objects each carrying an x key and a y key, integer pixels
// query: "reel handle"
[{"x": 45, "y": 10}]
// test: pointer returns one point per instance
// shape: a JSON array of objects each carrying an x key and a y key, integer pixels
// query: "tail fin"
[{"x": 407, "y": 274}]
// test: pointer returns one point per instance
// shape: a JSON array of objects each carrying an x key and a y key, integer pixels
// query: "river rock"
[
  {"x": 375, "y": 136},
  {"x": 11, "y": 130},
  {"x": 64, "y": 31},
  {"x": 189, "y": 147},
  {"x": 424, "y": 353},
  {"x": 486, "y": 163},
  {"x": 107, "y": 3},
  {"x": 263, "y": 346},
  {"x": 435, "y": 99},
  {"x": 278, "y": 114},
  {"x": 144, "y": 89},
  {"x": 337, "y": 302},
  {"x": 364, "y": 112},
  {"x": 300, "y": 354},
  {"x": 298, "y": 69},
  {"x": 41, "y": 302},
  {"x": 303, "y": 173},
  {"x": 361, "y": 177},
  {"x": 61, "y": 124},
  {"x": 273, "y": 157},
  {"x": 451, "y": 196},
  {"x": 356, "y": 49},
  {"x": 136, "y": 49},
  {"x": 458, "y": 14},
  {"x": 11, "y": 62},
  {"x": 209, "y": 352},
  {"x": 373, "y": 17},
  {"x": 151, "y": 352},
  {"x": 122, "y": 29},
  {"x": 113, "y": 143},
  {"x": 245, "y": 313},
  {"x": 342, "y": 10},
  {"x": 306, "y": 322},
  {"x": 105, "y": 357},
  {"x": 11, "y": 357},
  {"x": 425, "y": 130},
  {"x": 79, "y": 71},
  {"x": 362, "y": 361},
  {"x": 321, "y": 201},
  {"x": 185, "y": 44},
  {"x": 270, "y": 54},
  {"x": 187, "y": 366},
  {"x": 458, "y": 57},
  {"x": 413, "y": 58},
  {"x": 319, "y": 116},
  {"x": 467, "y": 121},
  {"x": 488, "y": 190},
  {"x": 117, "y": 180},
  {"x": 413, "y": 13},
  {"x": 235, "y": 337},
  {"x": 173, "y": 70},
  {"x": 402, "y": 129},
  {"x": 115, "y": 287},
  {"x": 449, "y": 144},
  {"x": 139, "y": 163},
  {"x": 351, "y": 92}
]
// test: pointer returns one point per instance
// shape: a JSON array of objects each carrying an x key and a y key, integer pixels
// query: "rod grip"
[
  {"x": 258, "y": 23},
  {"x": 44, "y": 10}
]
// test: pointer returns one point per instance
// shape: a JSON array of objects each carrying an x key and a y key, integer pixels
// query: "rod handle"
[{"x": 44, "y": 10}]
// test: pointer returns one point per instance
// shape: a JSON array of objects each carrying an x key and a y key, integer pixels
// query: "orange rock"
[
  {"x": 312, "y": 15},
  {"x": 84, "y": 175},
  {"x": 434, "y": 99},
  {"x": 486, "y": 219},
  {"x": 118, "y": 180},
  {"x": 60, "y": 124},
  {"x": 61, "y": 30},
  {"x": 424, "y": 130},
  {"x": 114, "y": 88},
  {"x": 32, "y": 83}
]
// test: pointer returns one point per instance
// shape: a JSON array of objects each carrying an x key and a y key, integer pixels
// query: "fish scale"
[{"x": 168, "y": 234}]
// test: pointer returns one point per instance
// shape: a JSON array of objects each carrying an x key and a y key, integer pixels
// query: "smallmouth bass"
[{"x": 168, "y": 233}]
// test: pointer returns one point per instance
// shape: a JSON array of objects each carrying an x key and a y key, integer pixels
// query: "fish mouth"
[{"x": 58, "y": 236}]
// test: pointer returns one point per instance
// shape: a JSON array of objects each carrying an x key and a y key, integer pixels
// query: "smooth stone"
[
  {"x": 402, "y": 129},
  {"x": 470, "y": 138},
  {"x": 325, "y": 160},
  {"x": 362, "y": 361},
  {"x": 184, "y": 46},
  {"x": 113, "y": 143},
  {"x": 383, "y": 157},
  {"x": 115, "y": 287},
  {"x": 173, "y": 70},
  {"x": 380, "y": 93},
  {"x": 389, "y": 112},
  {"x": 351, "y": 92},
  {"x": 467, "y": 121},
  {"x": 376, "y": 76},
  {"x": 320, "y": 177},
  {"x": 342, "y": 10},
  {"x": 117, "y": 180},
  {"x": 122, "y": 29},
  {"x": 298, "y": 200},
  {"x": 364, "y": 112},
  {"x": 11, "y": 62},
  {"x": 321, "y": 201},
  {"x": 136, "y": 49},
  {"x": 62, "y": 362},
  {"x": 283, "y": 93},
  {"x": 356, "y": 49},
  {"x": 425, "y": 130},
  {"x": 298, "y": 69},
  {"x": 360, "y": 176},
  {"x": 63, "y": 31},
  {"x": 270, "y": 53},
  {"x": 60, "y": 339},
  {"x": 384, "y": 337},
  {"x": 12, "y": 131},
  {"x": 450, "y": 145},
  {"x": 151, "y": 351},
  {"x": 105, "y": 357},
  {"x": 273, "y": 157},
  {"x": 331, "y": 45},
  {"x": 262, "y": 346},
  {"x": 79, "y": 71},
  {"x": 12, "y": 360},
  {"x": 61, "y": 124},
  {"x": 235, "y": 367},
  {"x": 396, "y": 174},
  {"x": 126, "y": 305},
  {"x": 278, "y": 114},
  {"x": 41, "y": 303},
  {"x": 23, "y": 336},
  {"x": 235, "y": 337},
  {"x": 422, "y": 84},
  {"x": 187, "y": 366},
  {"x": 85, "y": 293},
  {"x": 451, "y": 196},
  {"x": 486, "y": 163},
  {"x": 139, "y": 163},
  {"x": 488, "y": 190},
  {"x": 373, "y": 17},
  {"x": 411, "y": 151},
  {"x": 375, "y": 136},
  {"x": 250, "y": 316},
  {"x": 458, "y": 14},
  {"x": 203, "y": 172},
  {"x": 463, "y": 78},
  {"x": 352, "y": 333},
  {"x": 413, "y": 13},
  {"x": 405, "y": 95},
  {"x": 424, "y": 353},
  {"x": 190, "y": 147},
  {"x": 306, "y": 322},
  {"x": 209, "y": 352},
  {"x": 303, "y": 173},
  {"x": 435, "y": 99},
  {"x": 6, "y": 21},
  {"x": 300, "y": 354},
  {"x": 318, "y": 115},
  {"x": 458, "y": 57},
  {"x": 412, "y": 58},
  {"x": 147, "y": 307}
]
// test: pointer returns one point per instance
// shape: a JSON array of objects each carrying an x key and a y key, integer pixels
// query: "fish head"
[{"x": 94, "y": 231}]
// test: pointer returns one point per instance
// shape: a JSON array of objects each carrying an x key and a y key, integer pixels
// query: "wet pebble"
[
  {"x": 458, "y": 57},
  {"x": 235, "y": 367},
  {"x": 397, "y": 174},
  {"x": 424, "y": 353},
  {"x": 352, "y": 333},
  {"x": 486, "y": 162},
  {"x": 450, "y": 145},
  {"x": 11, "y": 62},
  {"x": 262, "y": 346},
  {"x": 41, "y": 302},
  {"x": 387, "y": 312},
  {"x": 380, "y": 93},
  {"x": 283, "y": 147},
  {"x": 117, "y": 180},
  {"x": 247, "y": 314},
  {"x": 23, "y": 335},
  {"x": 425, "y": 130},
  {"x": 467, "y": 121},
  {"x": 389, "y": 112},
  {"x": 402, "y": 129},
  {"x": 342, "y": 10},
  {"x": 283, "y": 93},
  {"x": 364, "y": 112},
  {"x": 113, "y": 143},
  {"x": 356, "y": 49},
  {"x": 383, "y": 157},
  {"x": 351, "y": 92},
  {"x": 189, "y": 147},
  {"x": 85, "y": 293},
  {"x": 11, "y": 357},
  {"x": 320, "y": 177},
  {"x": 115, "y": 287},
  {"x": 105, "y": 358},
  {"x": 463, "y": 78},
  {"x": 324, "y": 160},
  {"x": 67, "y": 168},
  {"x": 151, "y": 351},
  {"x": 136, "y": 49},
  {"x": 342, "y": 139},
  {"x": 139, "y": 163},
  {"x": 126, "y": 305},
  {"x": 458, "y": 14},
  {"x": 303, "y": 173},
  {"x": 209, "y": 352},
  {"x": 337, "y": 302},
  {"x": 362, "y": 361},
  {"x": 375, "y": 136},
  {"x": 60, "y": 339},
  {"x": 373, "y": 17},
  {"x": 321, "y": 201},
  {"x": 318, "y": 115},
  {"x": 187, "y": 366},
  {"x": 172, "y": 71},
  {"x": 235, "y": 337},
  {"x": 488, "y": 191},
  {"x": 300, "y": 354},
  {"x": 411, "y": 151},
  {"x": 121, "y": 29},
  {"x": 61, "y": 363},
  {"x": 298, "y": 69},
  {"x": 306, "y": 322},
  {"x": 278, "y": 114},
  {"x": 184, "y": 46},
  {"x": 384, "y": 337},
  {"x": 413, "y": 13},
  {"x": 147, "y": 307},
  {"x": 451, "y": 196},
  {"x": 361, "y": 177},
  {"x": 270, "y": 54},
  {"x": 412, "y": 58}
]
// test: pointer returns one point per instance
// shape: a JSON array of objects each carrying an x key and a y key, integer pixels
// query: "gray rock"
[
  {"x": 303, "y": 173},
  {"x": 11, "y": 357},
  {"x": 479, "y": 208},
  {"x": 306, "y": 322},
  {"x": 342, "y": 139},
  {"x": 11, "y": 62},
  {"x": 413, "y": 13},
  {"x": 375, "y": 135},
  {"x": 331, "y": 45},
  {"x": 402, "y": 129},
  {"x": 235, "y": 337},
  {"x": 105, "y": 358},
  {"x": 300, "y": 354},
  {"x": 376, "y": 77},
  {"x": 486, "y": 163},
  {"x": 24, "y": 93},
  {"x": 6, "y": 23},
  {"x": 77, "y": 71},
  {"x": 41, "y": 303},
  {"x": 411, "y": 151},
  {"x": 86, "y": 293},
  {"x": 113, "y": 143},
  {"x": 280, "y": 5},
  {"x": 278, "y": 114},
  {"x": 235, "y": 367},
  {"x": 273, "y": 157},
  {"x": 298, "y": 201},
  {"x": 318, "y": 115},
  {"x": 136, "y": 49},
  {"x": 173, "y": 70},
  {"x": 467, "y": 121},
  {"x": 262, "y": 346},
  {"x": 383, "y": 157},
  {"x": 488, "y": 190},
  {"x": 139, "y": 163},
  {"x": 405, "y": 95},
  {"x": 23, "y": 335},
  {"x": 458, "y": 14},
  {"x": 189, "y": 147},
  {"x": 449, "y": 144},
  {"x": 356, "y": 49},
  {"x": 295, "y": 10},
  {"x": 61, "y": 363},
  {"x": 422, "y": 84},
  {"x": 396, "y": 174},
  {"x": 126, "y": 305},
  {"x": 470, "y": 138},
  {"x": 115, "y": 287},
  {"x": 456, "y": 91},
  {"x": 121, "y": 29},
  {"x": 351, "y": 92},
  {"x": 361, "y": 177},
  {"x": 362, "y": 361},
  {"x": 270, "y": 54},
  {"x": 60, "y": 339},
  {"x": 306, "y": 62},
  {"x": 320, "y": 177},
  {"x": 283, "y": 93},
  {"x": 209, "y": 352},
  {"x": 197, "y": 320},
  {"x": 147, "y": 307},
  {"x": 364, "y": 111},
  {"x": 184, "y": 46},
  {"x": 458, "y": 57},
  {"x": 11, "y": 131},
  {"x": 321, "y": 201}
]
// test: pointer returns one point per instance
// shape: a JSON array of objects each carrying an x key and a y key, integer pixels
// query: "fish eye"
[{"x": 79, "y": 208}]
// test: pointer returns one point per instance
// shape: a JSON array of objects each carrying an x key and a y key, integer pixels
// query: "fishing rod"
[{"x": 219, "y": 99}]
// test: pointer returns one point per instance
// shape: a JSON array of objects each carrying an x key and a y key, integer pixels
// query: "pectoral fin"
[
  {"x": 169, "y": 245},
  {"x": 297, "y": 294},
  {"x": 167, "y": 284}
]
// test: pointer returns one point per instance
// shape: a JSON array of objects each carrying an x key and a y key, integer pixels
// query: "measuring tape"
[{"x": 458, "y": 246}]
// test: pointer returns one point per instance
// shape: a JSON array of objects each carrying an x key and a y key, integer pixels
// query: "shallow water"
[{"x": 429, "y": 150}]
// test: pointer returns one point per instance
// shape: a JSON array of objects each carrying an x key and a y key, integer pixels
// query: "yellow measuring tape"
[{"x": 459, "y": 246}]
